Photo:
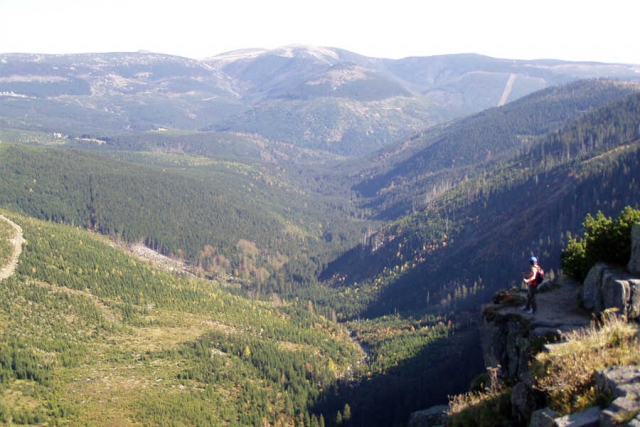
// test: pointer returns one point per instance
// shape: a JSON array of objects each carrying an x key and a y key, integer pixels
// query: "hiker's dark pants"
[{"x": 531, "y": 298}]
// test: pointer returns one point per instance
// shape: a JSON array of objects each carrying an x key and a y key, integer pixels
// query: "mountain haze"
[{"x": 320, "y": 98}]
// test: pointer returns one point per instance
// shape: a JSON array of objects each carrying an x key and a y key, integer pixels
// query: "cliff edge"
[
  {"x": 508, "y": 333},
  {"x": 511, "y": 336}
]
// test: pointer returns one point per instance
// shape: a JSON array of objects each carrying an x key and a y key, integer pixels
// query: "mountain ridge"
[
  {"x": 314, "y": 97},
  {"x": 467, "y": 146}
]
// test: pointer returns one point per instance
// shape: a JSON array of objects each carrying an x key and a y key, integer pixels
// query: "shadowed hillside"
[{"x": 486, "y": 227}]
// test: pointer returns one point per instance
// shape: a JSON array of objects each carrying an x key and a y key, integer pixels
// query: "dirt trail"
[{"x": 17, "y": 240}]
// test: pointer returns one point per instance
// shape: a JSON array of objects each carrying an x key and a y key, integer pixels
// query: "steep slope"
[
  {"x": 449, "y": 259},
  {"x": 91, "y": 336},
  {"x": 408, "y": 175},
  {"x": 485, "y": 228}
]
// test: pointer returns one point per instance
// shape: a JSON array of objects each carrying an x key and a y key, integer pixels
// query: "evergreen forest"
[{"x": 311, "y": 289}]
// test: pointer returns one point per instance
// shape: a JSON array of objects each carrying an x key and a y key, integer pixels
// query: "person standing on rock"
[{"x": 532, "y": 279}]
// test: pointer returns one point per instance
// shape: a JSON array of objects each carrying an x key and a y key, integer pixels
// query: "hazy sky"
[{"x": 579, "y": 30}]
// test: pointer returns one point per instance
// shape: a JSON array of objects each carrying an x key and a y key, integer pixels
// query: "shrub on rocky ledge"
[{"x": 604, "y": 239}]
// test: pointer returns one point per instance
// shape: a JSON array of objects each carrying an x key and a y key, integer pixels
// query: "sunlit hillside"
[{"x": 91, "y": 335}]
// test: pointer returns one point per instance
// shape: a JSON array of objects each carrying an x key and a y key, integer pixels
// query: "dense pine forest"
[{"x": 317, "y": 290}]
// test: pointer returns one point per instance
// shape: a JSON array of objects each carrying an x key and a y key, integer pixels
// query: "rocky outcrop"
[
  {"x": 592, "y": 288},
  {"x": 505, "y": 341},
  {"x": 607, "y": 286},
  {"x": 623, "y": 382},
  {"x": 634, "y": 261},
  {"x": 508, "y": 334},
  {"x": 432, "y": 417}
]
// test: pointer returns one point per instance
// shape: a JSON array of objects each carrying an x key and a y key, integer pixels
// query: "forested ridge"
[
  {"x": 310, "y": 255},
  {"x": 220, "y": 216},
  {"x": 406, "y": 179}
]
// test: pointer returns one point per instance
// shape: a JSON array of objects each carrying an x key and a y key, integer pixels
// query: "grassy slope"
[{"x": 115, "y": 341}]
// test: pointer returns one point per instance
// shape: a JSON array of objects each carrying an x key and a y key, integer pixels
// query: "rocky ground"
[{"x": 557, "y": 307}]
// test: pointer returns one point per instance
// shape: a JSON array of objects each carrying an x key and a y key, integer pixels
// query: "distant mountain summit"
[{"x": 314, "y": 97}]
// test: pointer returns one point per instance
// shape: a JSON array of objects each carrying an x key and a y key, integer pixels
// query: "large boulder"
[
  {"x": 616, "y": 292},
  {"x": 588, "y": 418},
  {"x": 623, "y": 382},
  {"x": 607, "y": 286},
  {"x": 634, "y": 301},
  {"x": 592, "y": 287},
  {"x": 634, "y": 261},
  {"x": 543, "y": 418}
]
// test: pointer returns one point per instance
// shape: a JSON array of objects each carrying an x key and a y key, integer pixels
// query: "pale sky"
[{"x": 575, "y": 30}]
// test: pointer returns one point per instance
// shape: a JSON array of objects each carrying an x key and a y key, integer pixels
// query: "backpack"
[{"x": 539, "y": 275}]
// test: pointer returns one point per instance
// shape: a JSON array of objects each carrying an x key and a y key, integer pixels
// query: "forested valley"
[{"x": 318, "y": 290}]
